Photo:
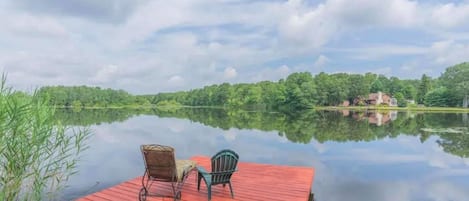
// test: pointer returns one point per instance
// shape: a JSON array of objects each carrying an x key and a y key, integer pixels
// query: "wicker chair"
[
  {"x": 223, "y": 166},
  {"x": 160, "y": 165}
]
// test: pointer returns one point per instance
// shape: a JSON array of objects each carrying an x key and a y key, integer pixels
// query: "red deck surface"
[{"x": 252, "y": 181}]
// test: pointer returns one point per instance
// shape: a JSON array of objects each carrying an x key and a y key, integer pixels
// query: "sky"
[{"x": 152, "y": 46}]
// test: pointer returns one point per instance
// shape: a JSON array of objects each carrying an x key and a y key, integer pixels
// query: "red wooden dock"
[{"x": 252, "y": 181}]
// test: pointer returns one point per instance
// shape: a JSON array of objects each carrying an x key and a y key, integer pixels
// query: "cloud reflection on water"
[{"x": 399, "y": 168}]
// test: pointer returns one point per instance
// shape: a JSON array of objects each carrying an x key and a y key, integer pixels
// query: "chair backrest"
[
  {"x": 223, "y": 165},
  {"x": 160, "y": 162}
]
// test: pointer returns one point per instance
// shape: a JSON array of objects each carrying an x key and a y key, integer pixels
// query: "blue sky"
[{"x": 149, "y": 46}]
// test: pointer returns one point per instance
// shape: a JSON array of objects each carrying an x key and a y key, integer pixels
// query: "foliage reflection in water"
[
  {"x": 364, "y": 151},
  {"x": 302, "y": 127}
]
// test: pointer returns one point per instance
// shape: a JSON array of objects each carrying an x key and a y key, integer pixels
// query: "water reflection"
[
  {"x": 354, "y": 159},
  {"x": 373, "y": 117},
  {"x": 341, "y": 126}
]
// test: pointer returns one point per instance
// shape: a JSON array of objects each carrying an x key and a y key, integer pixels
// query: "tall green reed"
[{"x": 37, "y": 153}]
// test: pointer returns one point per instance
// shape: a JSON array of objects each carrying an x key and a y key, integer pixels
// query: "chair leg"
[
  {"x": 198, "y": 181},
  {"x": 231, "y": 189},
  {"x": 142, "y": 195},
  {"x": 143, "y": 191},
  {"x": 209, "y": 189},
  {"x": 143, "y": 179}
]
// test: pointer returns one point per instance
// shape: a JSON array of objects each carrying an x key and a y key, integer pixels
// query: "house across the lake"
[{"x": 375, "y": 99}]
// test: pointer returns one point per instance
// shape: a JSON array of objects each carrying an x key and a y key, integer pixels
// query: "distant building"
[
  {"x": 375, "y": 99},
  {"x": 345, "y": 103}
]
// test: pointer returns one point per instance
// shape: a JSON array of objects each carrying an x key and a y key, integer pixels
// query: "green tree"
[
  {"x": 438, "y": 97},
  {"x": 409, "y": 92},
  {"x": 395, "y": 86},
  {"x": 382, "y": 83},
  {"x": 273, "y": 94},
  {"x": 332, "y": 89},
  {"x": 300, "y": 90},
  {"x": 222, "y": 94},
  {"x": 76, "y": 104},
  {"x": 87, "y": 96},
  {"x": 424, "y": 88},
  {"x": 377, "y": 86},
  {"x": 253, "y": 94},
  {"x": 322, "y": 81},
  {"x": 358, "y": 86},
  {"x": 456, "y": 80},
  {"x": 401, "y": 101},
  {"x": 338, "y": 89}
]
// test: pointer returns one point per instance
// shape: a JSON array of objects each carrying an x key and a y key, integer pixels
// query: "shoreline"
[
  {"x": 334, "y": 108},
  {"x": 380, "y": 108}
]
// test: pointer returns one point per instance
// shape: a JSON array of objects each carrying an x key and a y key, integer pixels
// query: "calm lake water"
[{"x": 356, "y": 155}]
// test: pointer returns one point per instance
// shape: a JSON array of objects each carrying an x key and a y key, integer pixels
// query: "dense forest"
[
  {"x": 302, "y": 90},
  {"x": 84, "y": 96},
  {"x": 299, "y": 90}
]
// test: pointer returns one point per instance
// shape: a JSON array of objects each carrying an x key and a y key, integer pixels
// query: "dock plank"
[{"x": 252, "y": 181}]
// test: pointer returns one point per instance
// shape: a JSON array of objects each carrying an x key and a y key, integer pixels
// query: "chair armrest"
[{"x": 202, "y": 170}]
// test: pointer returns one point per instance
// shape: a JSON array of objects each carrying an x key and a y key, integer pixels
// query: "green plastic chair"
[{"x": 223, "y": 166}]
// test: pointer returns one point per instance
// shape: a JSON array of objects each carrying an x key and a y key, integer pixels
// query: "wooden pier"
[{"x": 252, "y": 181}]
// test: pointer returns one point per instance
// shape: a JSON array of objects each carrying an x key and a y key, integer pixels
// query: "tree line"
[
  {"x": 298, "y": 91},
  {"x": 302, "y": 90},
  {"x": 85, "y": 96}
]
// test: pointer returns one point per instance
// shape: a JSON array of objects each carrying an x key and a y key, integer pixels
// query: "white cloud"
[
  {"x": 230, "y": 73},
  {"x": 363, "y": 13},
  {"x": 321, "y": 61},
  {"x": 315, "y": 27},
  {"x": 230, "y": 135},
  {"x": 105, "y": 74},
  {"x": 306, "y": 28},
  {"x": 283, "y": 71},
  {"x": 376, "y": 52},
  {"x": 177, "y": 127},
  {"x": 449, "y": 52},
  {"x": 319, "y": 147},
  {"x": 451, "y": 15},
  {"x": 28, "y": 25},
  {"x": 152, "y": 43},
  {"x": 466, "y": 161},
  {"x": 382, "y": 70},
  {"x": 176, "y": 80},
  {"x": 104, "y": 134},
  {"x": 101, "y": 11},
  {"x": 413, "y": 69},
  {"x": 408, "y": 67},
  {"x": 375, "y": 157},
  {"x": 272, "y": 74},
  {"x": 441, "y": 191}
]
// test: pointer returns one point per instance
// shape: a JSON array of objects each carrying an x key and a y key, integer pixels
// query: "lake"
[{"x": 356, "y": 155}]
